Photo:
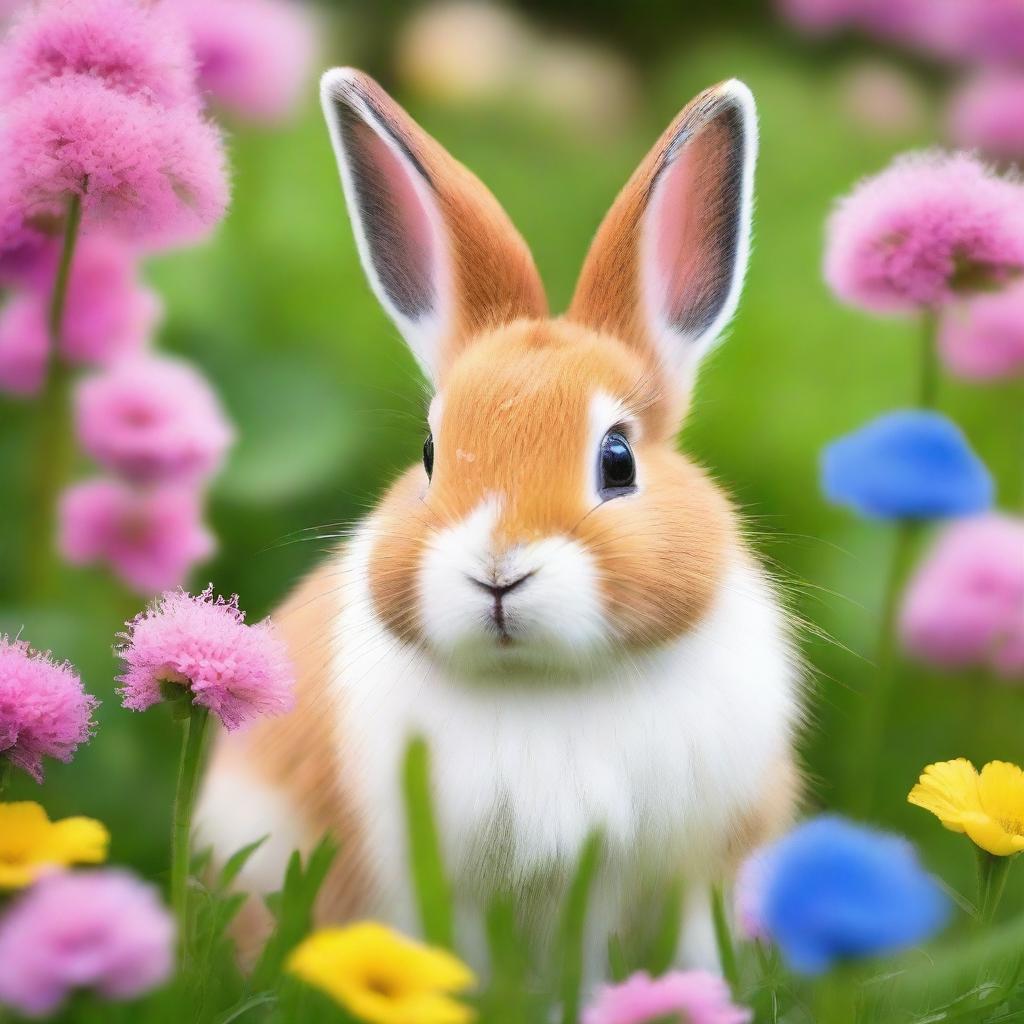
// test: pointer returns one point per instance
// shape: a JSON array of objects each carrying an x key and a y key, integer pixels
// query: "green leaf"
[
  {"x": 666, "y": 938},
  {"x": 293, "y": 909},
  {"x": 433, "y": 892},
  {"x": 573, "y": 927},
  {"x": 237, "y": 861}
]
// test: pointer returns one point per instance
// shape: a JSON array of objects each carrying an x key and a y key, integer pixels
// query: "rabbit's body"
[{"x": 558, "y": 602}]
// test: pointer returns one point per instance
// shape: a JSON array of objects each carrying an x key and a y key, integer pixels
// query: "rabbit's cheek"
[{"x": 485, "y": 603}]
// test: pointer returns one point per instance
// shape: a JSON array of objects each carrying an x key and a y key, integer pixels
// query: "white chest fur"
[{"x": 664, "y": 755}]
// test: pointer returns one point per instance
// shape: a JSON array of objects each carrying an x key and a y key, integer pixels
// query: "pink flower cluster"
[
  {"x": 102, "y": 931},
  {"x": 930, "y": 228},
  {"x": 237, "y": 671},
  {"x": 44, "y": 711},
  {"x": 965, "y": 604},
  {"x": 99, "y": 105},
  {"x": 254, "y": 56},
  {"x": 155, "y": 424}
]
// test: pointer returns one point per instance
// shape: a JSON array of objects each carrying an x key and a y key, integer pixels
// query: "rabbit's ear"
[
  {"x": 666, "y": 267},
  {"x": 441, "y": 255}
]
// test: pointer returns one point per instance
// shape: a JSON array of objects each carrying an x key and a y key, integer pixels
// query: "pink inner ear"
[
  {"x": 693, "y": 220},
  {"x": 402, "y": 237}
]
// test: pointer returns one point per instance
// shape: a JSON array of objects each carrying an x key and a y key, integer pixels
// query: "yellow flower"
[
  {"x": 30, "y": 843},
  {"x": 383, "y": 977},
  {"x": 989, "y": 806}
]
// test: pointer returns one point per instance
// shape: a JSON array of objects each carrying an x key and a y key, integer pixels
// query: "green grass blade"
[
  {"x": 573, "y": 929},
  {"x": 433, "y": 892},
  {"x": 666, "y": 939}
]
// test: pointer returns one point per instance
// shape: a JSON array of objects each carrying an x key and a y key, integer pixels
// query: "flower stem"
[
  {"x": 194, "y": 733},
  {"x": 928, "y": 369},
  {"x": 861, "y": 774},
  {"x": 723, "y": 938},
  {"x": 992, "y": 874},
  {"x": 6, "y": 771},
  {"x": 52, "y": 455}
]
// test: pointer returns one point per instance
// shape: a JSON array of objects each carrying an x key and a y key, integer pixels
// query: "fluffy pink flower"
[
  {"x": 142, "y": 171},
  {"x": 152, "y": 419},
  {"x": 44, "y": 711},
  {"x": 254, "y": 55},
  {"x": 24, "y": 345},
  {"x": 151, "y": 539},
  {"x": 696, "y": 997},
  {"x": 238, "y": 671},
  {"x": 965, "y": 603},
  {"x": 929, "y": 227},
  {"x": 984, "y": 338},
  {"x": 105, "y": 931},
  {"x": 988, "y": 114},
  {"x": 130, "y": 45}
]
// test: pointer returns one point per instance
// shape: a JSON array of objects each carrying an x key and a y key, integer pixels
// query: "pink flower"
[
  {"x": 133, "y": 46},
  {"x": 26, "y": 252},
  {"x": 254, "y": 55},
  {"x": 24, "y": 345},
  {"x": 99, "y": 930},
  {"x": 990, "y": 31},
  {"x": 984, "y": 338},
  {"x": 988, "y": 114},
  {"x": 696, "y": 997},
  {"x": 236, "y": 670},
  {"x": 929, "y": 227},
  {"x": 44, "y": 711},
  {"x": 142, "y": 171},
  {"x": 151, "y": 539},
  {"x": 152, "y": 419},
  {"x": 965, "y": 603},
  {"x": 818, "y": 17}
]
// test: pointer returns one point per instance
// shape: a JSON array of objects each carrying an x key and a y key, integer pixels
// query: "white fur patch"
[
  {"x": 662, "y": 751},
  {"x": 555, "y": 616},
  {"x": 236, "y": 809}
]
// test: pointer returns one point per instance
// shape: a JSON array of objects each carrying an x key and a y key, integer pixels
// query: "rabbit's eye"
[
  {"x": 428, "y": 455},
  {"x": 617, "y": 467}
]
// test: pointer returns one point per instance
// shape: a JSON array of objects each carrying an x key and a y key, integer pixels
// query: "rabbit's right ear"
[{"x": 441, "y": 255}]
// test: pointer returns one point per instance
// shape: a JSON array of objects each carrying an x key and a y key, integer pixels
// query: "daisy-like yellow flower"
[
  {"x": 31, "y": 844},
  {"x": 987, "y": 806},
  {"x": 383, "y": 977}
]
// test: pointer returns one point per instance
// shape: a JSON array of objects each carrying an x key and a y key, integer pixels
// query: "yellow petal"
[
  {"x": 382, "y": 976},
  {"x": 78, "y": 840},
  {"x": 17, "y": 876},
  {"x": 949, "y": 789},
  {"x": 987, "y": 833},
  {"x": 1001, "y": 792}
]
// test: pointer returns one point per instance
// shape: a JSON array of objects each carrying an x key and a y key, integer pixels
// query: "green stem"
[
  {"x": 723, "y": 938},
  {"x": 194, "y": 727},
  {"x": 928, "y": 370},
  {"x": 861, "y": 774},
  {"x": 992, "y": 874},
  {"x": 59, "y": 296},
  {"x": 6, "y": 772},
  {"x": 51, "y": 460}
]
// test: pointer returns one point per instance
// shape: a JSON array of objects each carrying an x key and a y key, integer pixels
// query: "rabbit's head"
[{"x": 552, "y": 525}]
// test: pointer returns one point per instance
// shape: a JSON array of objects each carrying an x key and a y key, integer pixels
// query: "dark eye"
[
  {"x": 617, "y": 466},
  {"x": 428, "y": 455}
]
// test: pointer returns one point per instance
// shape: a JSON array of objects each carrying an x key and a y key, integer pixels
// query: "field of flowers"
[{"x": 196, "y": 386}]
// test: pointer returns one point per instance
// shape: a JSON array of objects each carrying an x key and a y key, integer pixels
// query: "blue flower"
[
  {"x": 906, "y": 465},
  {"x": 836, "y": 891}
]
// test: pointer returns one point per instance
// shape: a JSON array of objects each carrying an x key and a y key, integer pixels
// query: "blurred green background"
[{"x": 329, "y": 406}]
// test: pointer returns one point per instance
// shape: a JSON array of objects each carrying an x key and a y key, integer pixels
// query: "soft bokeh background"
[{"x": 553, "y": 105}]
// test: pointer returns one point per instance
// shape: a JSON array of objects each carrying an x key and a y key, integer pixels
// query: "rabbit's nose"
[{"x": 499, "y": 590}]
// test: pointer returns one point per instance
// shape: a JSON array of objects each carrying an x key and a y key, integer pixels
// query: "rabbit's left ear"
[{"x": 666, "y": 267}]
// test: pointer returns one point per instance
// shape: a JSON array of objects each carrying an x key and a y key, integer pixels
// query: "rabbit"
[{"x": 559, "y": 602}]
